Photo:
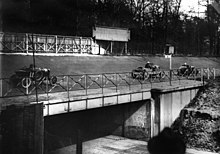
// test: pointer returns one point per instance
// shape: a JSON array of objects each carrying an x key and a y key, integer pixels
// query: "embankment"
[{"x": 69, "y": 65}]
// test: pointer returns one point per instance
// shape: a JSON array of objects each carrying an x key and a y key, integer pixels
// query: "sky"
[{"x": 192, "y": 5}]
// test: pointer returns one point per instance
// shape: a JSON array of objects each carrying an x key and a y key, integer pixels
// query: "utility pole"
[{"x": 166, "y": 3}]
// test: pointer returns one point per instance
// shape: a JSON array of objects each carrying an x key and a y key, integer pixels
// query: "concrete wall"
[
  {"x": 22, "y": 129},
  {"x": 130, "y": 120},
  {"x": 138, "y": 121},
  {"x": 168, "y": 105}
]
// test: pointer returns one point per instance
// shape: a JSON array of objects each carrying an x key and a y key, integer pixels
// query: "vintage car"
[
  {"x": 187, "y": 70},
  {"x": 138, "y": 73},
  {"x": 27, "y": 75},
  {"x": 149, "y": 71}
]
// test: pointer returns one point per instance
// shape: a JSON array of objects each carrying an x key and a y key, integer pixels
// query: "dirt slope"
[
  {"x": 96, "y": 64},
  {"x": 199, "y": 123}
]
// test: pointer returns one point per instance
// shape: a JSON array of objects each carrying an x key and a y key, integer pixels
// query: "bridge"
[
  {"x": 73, "y": 88},
  {"x": 115, "y": 102},
  {"x": 81, "y": 92},
  {"x": 144, "y": 106}
]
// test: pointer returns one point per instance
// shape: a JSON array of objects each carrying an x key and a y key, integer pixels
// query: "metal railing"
[{"x": 85, "y": 84}]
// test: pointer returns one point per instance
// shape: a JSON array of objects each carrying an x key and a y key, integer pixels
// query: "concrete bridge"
[{"x": 137, "y": 109}]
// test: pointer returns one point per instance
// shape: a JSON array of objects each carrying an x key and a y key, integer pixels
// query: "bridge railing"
[
  {"x": 86, "y": 84},
  {"x": 41, "y": 43}
]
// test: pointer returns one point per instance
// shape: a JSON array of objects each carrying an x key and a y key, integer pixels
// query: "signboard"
[
  {"x": 171, "y": 49},
  {"x": 167, "y": 56},
  {"x": 111, "y": 34}
]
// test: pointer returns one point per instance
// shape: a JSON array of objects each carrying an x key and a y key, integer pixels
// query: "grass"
[{"x": 70, "y": 65}]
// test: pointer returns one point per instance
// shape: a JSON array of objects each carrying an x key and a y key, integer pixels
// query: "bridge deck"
[
  {"x": 71, "y": 101},
  {"x": 77, "y": 95}
]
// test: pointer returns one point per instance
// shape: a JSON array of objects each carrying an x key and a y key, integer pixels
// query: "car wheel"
[
  {"x": 133, "y": 75},
  {"x": 38, "y": 75},
  {"x": 53, "y": 80}
]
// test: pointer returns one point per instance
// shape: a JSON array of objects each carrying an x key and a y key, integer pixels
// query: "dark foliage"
[
  {"x": 166, "y": 142},
  {"x": 152, "y": 23}
]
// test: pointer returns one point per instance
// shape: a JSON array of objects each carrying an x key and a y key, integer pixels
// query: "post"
[
  {"x": 26, "y": 43},
  {"x": 102, "y": 84},
  {"x": 170, "y": 69},
  {"x": 80, "y": 44},
  {"x": 208, "y": 72},
  {"x": 126, "y": 48},
  {"x": 170, "y": 77},
  {"x": 68, "y": 92},
  {"x": 79, "y": 143},
  {"x": 214, "y": 73},
  {"x": 111, "y": 48},
  {"x": 202, "y": 76},
  {"x": 170, "y": 61},
  {"x": 56, "y": 44},
  {"x": 86, "y": 83}
]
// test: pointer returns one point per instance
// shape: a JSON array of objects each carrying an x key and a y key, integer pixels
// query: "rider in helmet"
[
  {"x": 147, "y": 65},
  {"x": 186, "y": 65}
]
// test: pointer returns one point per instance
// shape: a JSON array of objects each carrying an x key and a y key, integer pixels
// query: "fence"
[
  {"x": 86, "y": 83},
  {"x": 27, "y": 43}
]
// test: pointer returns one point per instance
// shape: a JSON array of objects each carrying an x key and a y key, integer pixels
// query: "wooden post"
[
  {"x": 26, "y": 43},
  {"x": 56, "y": 44},
  {"x": 126, "y": 48}
]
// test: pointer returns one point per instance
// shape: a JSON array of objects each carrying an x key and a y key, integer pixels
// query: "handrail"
[{"x": 86, "y": 82}]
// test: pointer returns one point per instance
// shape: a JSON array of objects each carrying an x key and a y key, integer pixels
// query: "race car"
[
  {"x": 150, "y": 70},
  {"x": 187, "y": 70},
  {"x": 27, "y": 75},
  {"x": 138, "y": 73}
]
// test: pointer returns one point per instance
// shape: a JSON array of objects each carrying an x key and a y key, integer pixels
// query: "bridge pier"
[
  {"x": 21, "y": 129},
  {"x": 168, "y": 103}
]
